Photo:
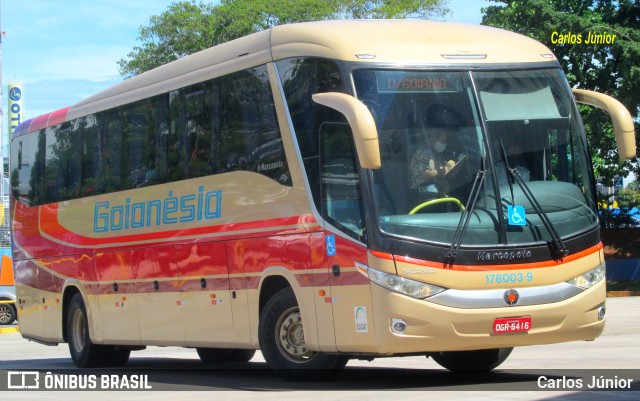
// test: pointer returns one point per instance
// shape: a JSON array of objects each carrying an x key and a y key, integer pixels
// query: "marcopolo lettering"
[
  {"x": 203, "y": 205},
  {"x": 503, "y": 255},
  {"x": 270, "y": 166}
]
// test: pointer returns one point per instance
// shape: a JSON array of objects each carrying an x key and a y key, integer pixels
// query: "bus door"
[{"x": 345, "y": 232}]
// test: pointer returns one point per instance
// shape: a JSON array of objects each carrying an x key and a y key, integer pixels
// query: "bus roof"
[{"x": 397, "y": 42}]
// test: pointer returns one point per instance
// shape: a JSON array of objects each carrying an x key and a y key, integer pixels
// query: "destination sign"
[{"x": 415, "y": 82}]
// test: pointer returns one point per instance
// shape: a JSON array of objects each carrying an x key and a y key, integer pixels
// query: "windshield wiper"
[
  {"x": 558, "y": 247},
  {"x": 463, "y": 224}
]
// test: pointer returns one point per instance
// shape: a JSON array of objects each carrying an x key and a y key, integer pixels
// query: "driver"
[{"x": 428, "y": 166}]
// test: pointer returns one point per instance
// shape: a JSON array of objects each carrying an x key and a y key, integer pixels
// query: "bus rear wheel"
[
  {"x": 214, "y": 355},
  {"x": 222, "y": 355},
  {"x": 116, "y": 356},
  {"x": 281, "y": 335},
  {"x": 84, "y": 353},
  {"x": 242, "y": 355},
  {"x": 482, "y": 360}
]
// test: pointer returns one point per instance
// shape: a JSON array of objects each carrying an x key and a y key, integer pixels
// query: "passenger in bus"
[{"x": 429, "y": 167}]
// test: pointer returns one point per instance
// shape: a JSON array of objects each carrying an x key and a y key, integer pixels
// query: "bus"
[{"x": 261, "y": 195}]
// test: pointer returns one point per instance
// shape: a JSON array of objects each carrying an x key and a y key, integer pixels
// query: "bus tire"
[
  {"x": 281, "y": 337},
  {"x": 482, "y": 360},
  {"x": 7, "y": 314},
  {"x": 241, "y": 355},
  {"x": 116, "y": 356},
  {"x": 214, "y": 355},
  {"x": 84, "y": 353}
]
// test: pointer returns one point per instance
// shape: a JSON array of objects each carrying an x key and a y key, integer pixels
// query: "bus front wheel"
[
  {"x": 281, "y": 335},
  {"x": 482, "y": 360}
]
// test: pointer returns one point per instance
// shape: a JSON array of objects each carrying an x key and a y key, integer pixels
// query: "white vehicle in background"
[{"x": 8, "y": 312}]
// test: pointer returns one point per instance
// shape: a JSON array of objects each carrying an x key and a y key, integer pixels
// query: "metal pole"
[
  {"x": 2, "y": 180},
  {"x": 1, "y": 115}
]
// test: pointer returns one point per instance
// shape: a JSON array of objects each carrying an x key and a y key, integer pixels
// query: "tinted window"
[
  {"x": 217, "y": 126},
  {"x": 249, "y": 134},
  {"x": 301, "y": 78}
]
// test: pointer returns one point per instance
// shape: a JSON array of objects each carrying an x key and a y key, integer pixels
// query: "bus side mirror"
[
  {"x": 363, "y": 126},
  {"x": 622, "y": 121}
]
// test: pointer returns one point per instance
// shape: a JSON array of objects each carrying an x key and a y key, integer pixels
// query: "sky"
[{"x": 63, "y": 51}]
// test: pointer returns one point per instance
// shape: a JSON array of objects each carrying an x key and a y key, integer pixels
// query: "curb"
[
  {"x": 7, "y": 330},
  {"x": 614, "y": 294}
]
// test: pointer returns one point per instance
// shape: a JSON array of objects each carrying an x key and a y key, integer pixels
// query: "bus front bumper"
[{"x": 426, "y": 326}]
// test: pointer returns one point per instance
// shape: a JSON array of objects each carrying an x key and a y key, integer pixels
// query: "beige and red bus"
[{"x": 287, "y": 192}]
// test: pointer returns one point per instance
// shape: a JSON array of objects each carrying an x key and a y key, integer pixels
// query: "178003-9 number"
[{"x": 503, "y": 278}]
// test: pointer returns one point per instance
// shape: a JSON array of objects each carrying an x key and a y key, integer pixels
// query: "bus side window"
[
  {"x": 250, "y": 138},
  {"x": 158, "y": 137},
  {"x": 62, "y": 167},
  {"x": 37, "y": 187},
  {"x": 134, "y": 142},
  {"x": 341, "y": 193},
  {"x": 198, "y": 129},
  {"x": 86, "y": 129},
  {"x": 175, "y": 169},
  {"x": 24, "y": 178},
  {"x": 301, "y": 78},
  {"x": 110, "y": 153}
]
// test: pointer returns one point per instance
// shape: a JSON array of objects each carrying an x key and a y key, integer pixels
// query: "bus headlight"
[
  {"x": 590, "y": 278},
  {"x": 405, "y": 286}
]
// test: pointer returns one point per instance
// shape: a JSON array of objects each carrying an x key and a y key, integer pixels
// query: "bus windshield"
[{"x": 507, "y": 145}]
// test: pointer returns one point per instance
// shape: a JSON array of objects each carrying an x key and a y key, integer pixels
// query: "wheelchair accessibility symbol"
[
  {"x": 331, "y": 245},
  {"x": 516, "y": 215}
]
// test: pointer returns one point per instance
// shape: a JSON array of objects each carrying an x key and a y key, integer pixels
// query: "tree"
[
  {"x": 628, "y": 197},
  {"x": 183, "y": 29},
  {"x": 422, "y": 9},
  {"x": 612, "y": 68},
  {"x": 187, "y": 27}
]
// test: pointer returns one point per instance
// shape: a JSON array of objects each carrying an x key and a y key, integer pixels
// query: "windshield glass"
[{"x": 438, "y": 130}]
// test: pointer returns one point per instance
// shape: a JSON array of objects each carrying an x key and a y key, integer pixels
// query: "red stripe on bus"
[
  {"x": 39, "y": 122},
  {"x": 58, "y": 117}
]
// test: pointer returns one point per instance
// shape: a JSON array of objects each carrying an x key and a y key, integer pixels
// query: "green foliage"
[
  {"x": 184, "y": 28},
  {"x": 422, "y": 9},
  {"x": 613, "y": 68},
  {"x": 628, "y": 197},
  {"x": 188, "y": 26}
]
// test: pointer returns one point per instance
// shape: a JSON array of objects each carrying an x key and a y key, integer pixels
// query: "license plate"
[{"x": 505, "y": 325}]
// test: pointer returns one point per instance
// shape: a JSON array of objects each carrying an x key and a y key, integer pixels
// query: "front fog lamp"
[
  {"x": 412, "y": 288},
  {"x": 590, "y": 278},
  {"x": 398, "y": 326}
]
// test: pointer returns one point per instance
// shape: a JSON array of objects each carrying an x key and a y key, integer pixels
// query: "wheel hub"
[
  {"x": 77, "y": 326},
  {"x": 291, "y": 337}
]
